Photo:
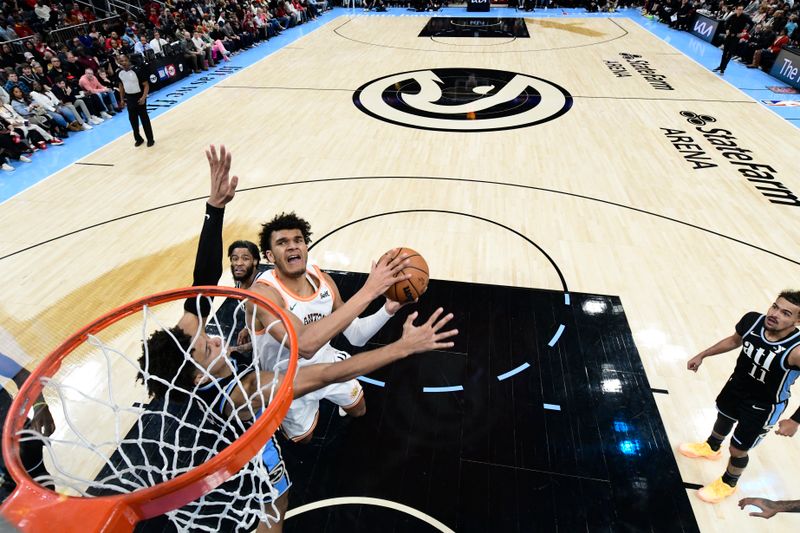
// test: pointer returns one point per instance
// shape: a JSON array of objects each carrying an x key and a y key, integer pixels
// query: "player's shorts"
[
  {"x": 302, "y": 417},
  {"x": 754, "y": 420},
  {"x": 276, "y": 468}
]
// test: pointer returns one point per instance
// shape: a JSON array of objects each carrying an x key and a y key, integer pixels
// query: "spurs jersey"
[
  {"x": 309, "y": 309},
  {"x": 762, "y": 372}
]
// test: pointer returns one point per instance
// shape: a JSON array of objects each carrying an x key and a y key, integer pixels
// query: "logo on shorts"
[
  {"x": 153, "y": 78},
  {"x": 462, "y": 99},
  {"x": 354, "y": 392}
]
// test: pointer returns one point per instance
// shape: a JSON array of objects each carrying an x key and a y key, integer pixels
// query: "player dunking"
[
  {"x": 215, "y": 370},
  {"x": 318, "y": 313},
  {"x": 757, "y": 392}
]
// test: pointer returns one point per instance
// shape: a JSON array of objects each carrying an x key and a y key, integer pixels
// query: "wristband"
[{"x": 796, "y": 416}]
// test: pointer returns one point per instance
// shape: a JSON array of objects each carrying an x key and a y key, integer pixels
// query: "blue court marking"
[
  {"x": 455, "y": 388},
  {"x": 514, "y": 372},
  {"x": 566, "y": 298},
  {"x": 557, "y": 336},
  {"x": 552, "y": 407},
  {"x": 371, "y": 381}
]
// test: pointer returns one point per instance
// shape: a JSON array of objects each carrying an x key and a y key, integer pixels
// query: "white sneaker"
[
  {"x": 105, "y": 115},
  {"x": 95, "y": 120},
  {"x": 25, "y": 159},
  {"x": 85, "y": 126},
  {"x": 7, "y": 167}
]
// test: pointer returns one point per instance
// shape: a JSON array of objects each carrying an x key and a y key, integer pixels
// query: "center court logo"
[{"x": 462, "y": 99}]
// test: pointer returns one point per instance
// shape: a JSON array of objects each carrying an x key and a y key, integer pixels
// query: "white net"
[{"x": 111, "y": 439}]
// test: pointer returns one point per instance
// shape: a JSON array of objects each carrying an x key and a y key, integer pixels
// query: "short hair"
[
  {"x": 282, "y": 222},
  {"x": 251, "y": 247},
  {"x": 793, "y": 297},
  {"x": 166, "y": 360}
]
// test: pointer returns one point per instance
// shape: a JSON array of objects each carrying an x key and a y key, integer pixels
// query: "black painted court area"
[
  {"x": 475, "y": 27},
  {"x": 493, "y": 458}
]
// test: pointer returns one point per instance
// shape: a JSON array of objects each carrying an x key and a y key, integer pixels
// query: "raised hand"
[
  {"x": 386, "y": 273},
  {"x": 766, "y": 508},
  {"x": 223, "y": 187},
  {"x": 427, "y": 336}
]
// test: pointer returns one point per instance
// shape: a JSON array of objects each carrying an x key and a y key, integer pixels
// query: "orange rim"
[{"x": 32, "y": 504}]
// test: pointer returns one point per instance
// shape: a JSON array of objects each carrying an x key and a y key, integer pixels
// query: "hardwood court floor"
[{"x": 602, "y": 189}]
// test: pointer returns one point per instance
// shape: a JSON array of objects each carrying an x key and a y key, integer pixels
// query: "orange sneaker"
[
  {"x": 716, "y": 491},
  {"x": 696, "y": 450}
]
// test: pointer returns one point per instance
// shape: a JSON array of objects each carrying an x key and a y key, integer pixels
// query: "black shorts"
[{"x": 754, "y": 419}]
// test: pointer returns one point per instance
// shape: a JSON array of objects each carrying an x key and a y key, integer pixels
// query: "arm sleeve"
[
  {"x": 361, "y": 330},
  {"x": 208, "y": 262}
]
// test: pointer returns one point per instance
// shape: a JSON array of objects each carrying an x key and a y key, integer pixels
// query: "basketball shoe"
[
  {"x": 699, "y": 449},
  {"x": 716, "y": 491}
]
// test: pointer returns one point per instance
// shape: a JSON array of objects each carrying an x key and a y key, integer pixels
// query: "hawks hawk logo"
[{"x": 462, "y": 99}]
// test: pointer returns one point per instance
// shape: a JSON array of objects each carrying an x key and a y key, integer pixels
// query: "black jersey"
[{"x": 762, "y": 373}]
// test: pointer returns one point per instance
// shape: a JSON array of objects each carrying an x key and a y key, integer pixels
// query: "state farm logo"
[
  {"x": 462, "y": 99},
  {"x": 697, "y": 120}
]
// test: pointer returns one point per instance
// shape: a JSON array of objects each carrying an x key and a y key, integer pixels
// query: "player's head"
[
  {"x": 244, "y": 259},
  {"x": 284, "y": 242},
  {"x": 784, "y": 313},
  {"x": 166, "y": 361}
]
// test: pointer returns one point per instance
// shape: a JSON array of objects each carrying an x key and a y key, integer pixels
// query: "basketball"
[{"x": 410, "y": 289}]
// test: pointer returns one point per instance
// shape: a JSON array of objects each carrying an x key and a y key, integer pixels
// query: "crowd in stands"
[
  {"x": 775, "y": 24},
  {"x": 50, "y": 88}
]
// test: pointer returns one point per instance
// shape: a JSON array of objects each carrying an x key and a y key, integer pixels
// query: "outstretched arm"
[
  {"x": 208, "y": 261},
  {"x": 725, "y": 345},
  {"x": 415, "y": 339},
  {"x": 768, "y": 508}
]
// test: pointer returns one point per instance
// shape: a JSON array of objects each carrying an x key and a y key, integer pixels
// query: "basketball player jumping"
[
  {"x": 318, "y": 313},
  {"x": 212, "y": 371},
  {"x": 757, "y": 392}
]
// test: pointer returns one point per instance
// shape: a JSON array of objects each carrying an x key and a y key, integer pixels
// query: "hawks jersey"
[
  {"x": 762, "y": 372},
  {"x": 307, "y": 309}
]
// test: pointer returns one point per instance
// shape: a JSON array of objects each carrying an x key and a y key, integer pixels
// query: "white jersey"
[{"x": 308, "y": 310}]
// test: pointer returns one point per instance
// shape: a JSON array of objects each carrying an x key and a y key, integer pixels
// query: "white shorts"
[{"x": 302, "y": 416}]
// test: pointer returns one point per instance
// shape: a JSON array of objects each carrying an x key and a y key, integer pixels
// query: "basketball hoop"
[{"x": 74, "y": 505}]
